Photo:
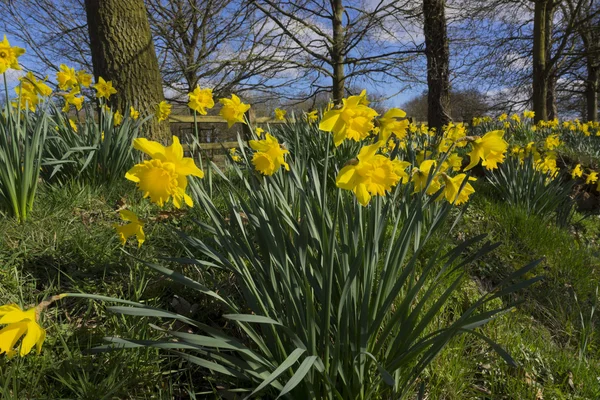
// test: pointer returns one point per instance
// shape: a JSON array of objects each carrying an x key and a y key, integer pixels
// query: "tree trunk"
[
  {"x": 337, "y": 57},
  {"x": 438, "y": 64},
  {"x": 591, "y": 92},
  {"x": 551, "y": 108},
  {"x": 123, "y": 52},
  {"x": 540, "y": 79}
]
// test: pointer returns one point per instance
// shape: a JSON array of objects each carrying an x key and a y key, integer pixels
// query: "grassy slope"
[{"x": 69, "y": 245}]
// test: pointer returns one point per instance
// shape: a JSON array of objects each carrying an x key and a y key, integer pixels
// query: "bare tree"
[
  {"x": 220, "y": 43},
  {"x": 345, "y": 42},
  {"x": 54, "y": 31}
]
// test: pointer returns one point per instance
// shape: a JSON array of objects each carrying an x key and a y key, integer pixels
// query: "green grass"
[{"x": 69, "y": 245}]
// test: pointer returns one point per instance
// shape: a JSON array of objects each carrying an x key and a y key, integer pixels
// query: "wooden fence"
[{"x": 213, "y": 132}]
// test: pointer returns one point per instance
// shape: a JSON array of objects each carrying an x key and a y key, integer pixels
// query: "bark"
[
  {"x": 551, "y": 108},
  {"x": 591, "y": 92},
  {"x": 540, "y": 78},
  {"x": 123, "y": 52},
  {"x": 337, "y": 56},
  {"x": 550, "y": 70},
  {"x": 438, "y": 62}
]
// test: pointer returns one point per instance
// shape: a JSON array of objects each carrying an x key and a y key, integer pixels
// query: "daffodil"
[
  {"x": 371, "y": 174},
  {"x": 27, "y": 99},
  {"x": 71, "y": 98},
  {"x": 591, "y": 178},
  {"x": 233, "y": 110},
  {"x": 268, "y": 156},
  {"x": 73, "y": 125},
  {"x": 163, "y": 110},
  {"x": 234, "y": 156},
  {"x": 200, "y": 100},
  {"x": 490, "y": 149},
  {"x": 30, "y": 83},
  {"x": 577, "y": 172},
  {"x": 259, "y": 131},
  {"x": 117, "y": 118},
  {"x": 503, "y": 117},
  {"x": 389, "y": 124},
  {"x": 454, "y": 191},
  {"x": 311, "y": 116},
  {"x": 84, "y": 79},
  {"x": 133, "y": 113},
  {"x": 528, "y": 114},
  {"x": 159, "y": 181},
  {"x": 552, "y": 142},
  {"x": 516, "y": 118},
  {"x": 104, "y": 89},
  {"x": 66, "y": 77},
  {"x": 165, "y": 176},
  {"x": 135, "y": 227},
  {"x": 20, "y": 324},
  {"x": 9, "y": 56},
  {"x": 353, "y": 120},
  {"x": 453, "y": 161},
  {"x": 454, "y": 134},
  {"x": 280, "y": 114},
  {"x": 421, "y": 177}
]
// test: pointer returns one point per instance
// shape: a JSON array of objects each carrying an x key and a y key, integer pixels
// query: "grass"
[{"x": 69, "y": 245}]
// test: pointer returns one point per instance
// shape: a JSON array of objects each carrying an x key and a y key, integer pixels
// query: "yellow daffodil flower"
[
  {"x": 353, "y": 120},
  {"x": 84, "y": 79},
  {"x": 577, "y": 172},
  {"x": 117, "y": 118},
  {"x": 73, "y": 125},
  {"x": 165, "y": 176},
  {"x": 9, "y": 56},
  {"x": 268, "y": 156},
  {"x": 528, "y": 114},
  {"x": 311, "y": 116},
  {"x": 389, "y": 124},
  {"x": 420, "y": 176},
  {"x": 27, "y": 99},
  {"x": 20, "y": 324},
  {"x": 503, "y": 117},
  {"x": 133, "y": 113},
  {"x": 66, "y": 77},
  {"x": 233, "y": 110},
  {"x": 372, "y": 174},
  {"x": 104, "y": 89},
  {"x": 30, "y": 83},
  {"x": 280, "y": 114},
  {"x": 259, "y": 131},
  {"x": 591, "y": 178},
  {"x": 552, "y": 142},
  {"x": 490, "y": 149},
  {"x": 163, "y": 110},
  {"x": 200, "y": 100},
  {"x": 452, "y": 188},
  {"x": 135, "y": 227},
  {"x": 234, "y": 156},
  {"x": 71, "y": 98}
]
